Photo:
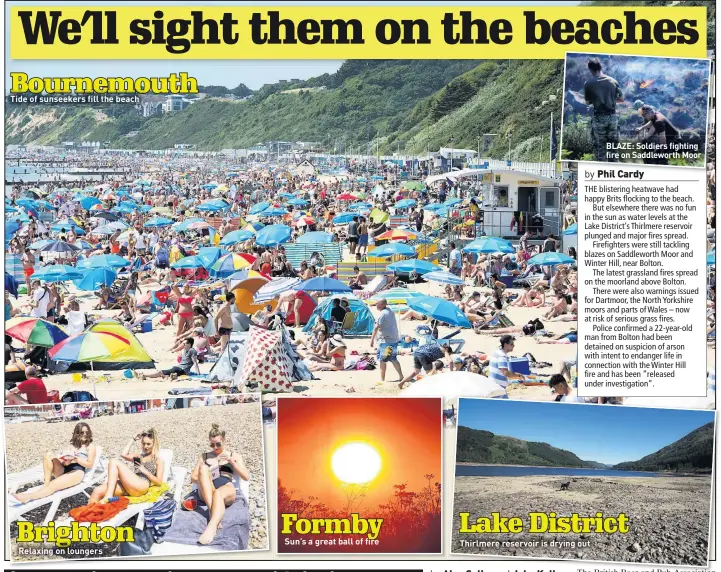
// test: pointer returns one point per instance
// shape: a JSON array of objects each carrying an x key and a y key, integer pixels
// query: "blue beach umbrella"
[
  {"x": 488, "y": 244},
  {"x": 94, "y": 278},
  {"x": 57, "y": 273},
  {"x": 439, "y": 309},
  {"x": 236, "y": 236},
  {"x": 414, "y": 265},
  {"x": 316, "y": 237},
  {"x": 550, "y": 259},
  {"x": 297, "y": 202},
  {"x": 89, "y": 202},
  {"x": 711, "y": 258},
  {"x": 443, "y": 277},
  {"x": 259, "y": 208},
  {"x": 158, "y": 221},
  {"x": 343, "y": 218},
  {"x": 273, "y": 212},
  {"x": 273, "y": 235},
  {"x": 571, "y": 230},
  {"x": 104, "y": 261},
  {"x": 190, "y": 262},
  {"x": 392, "y": 249},
  {"x": 405, "y": 203},
  {"x": 323, "y": 284}
]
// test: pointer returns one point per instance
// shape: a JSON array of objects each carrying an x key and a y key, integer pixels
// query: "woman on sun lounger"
[
  {"x": 214, "y": 474},
  {"x": 147, "y": 469},
  {"x": 66, "y": 469}
]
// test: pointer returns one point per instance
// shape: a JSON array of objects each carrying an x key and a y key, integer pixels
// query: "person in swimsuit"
[
  {"x": 215, "y": 473},
  {"x": 147, "y": 469},
  {"x": 132, "y": 289},
  {"x": 67, "y": 469},
  {"x": 224, "y": 321},
  {"x": 184, "y": 308}
]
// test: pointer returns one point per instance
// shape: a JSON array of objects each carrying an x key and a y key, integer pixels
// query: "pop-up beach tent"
[
  {"x": 133, "y": 357},
  {"x": 364, "y": 320}
]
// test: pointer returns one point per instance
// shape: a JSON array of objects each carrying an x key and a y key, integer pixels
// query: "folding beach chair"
[
  {"x": 456, "y": 344},
  {"x": 345, "y": 326},
  {"x": 93, "y": 476}
]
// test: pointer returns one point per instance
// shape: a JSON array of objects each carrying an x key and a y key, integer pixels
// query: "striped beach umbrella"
[{"x": 35, "y": 331}]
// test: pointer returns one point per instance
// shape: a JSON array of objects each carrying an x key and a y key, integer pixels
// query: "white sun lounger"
[
  {"x": 92, "y": 477},
  {"x": 174, "y": 476},
  {"x": 174, "y": 548}
]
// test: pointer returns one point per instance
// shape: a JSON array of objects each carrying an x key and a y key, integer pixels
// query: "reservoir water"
[{"x": 514, "y": 471}]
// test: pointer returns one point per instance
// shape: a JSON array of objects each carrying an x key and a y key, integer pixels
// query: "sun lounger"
[
  {"x": 374, "y": 286},
  {"x": 174, "y": 476},
  {"x": 94, "y": 476}
]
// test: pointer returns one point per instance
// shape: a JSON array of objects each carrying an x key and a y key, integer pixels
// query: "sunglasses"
[{"x": 216, "y": 444}]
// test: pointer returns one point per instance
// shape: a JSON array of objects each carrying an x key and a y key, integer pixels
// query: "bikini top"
[{"x": 185, "y": 300}]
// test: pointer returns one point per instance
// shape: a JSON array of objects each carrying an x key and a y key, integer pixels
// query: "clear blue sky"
[
  {"x": 604, "y": 433},
  {"x": 253, "y": 73}
]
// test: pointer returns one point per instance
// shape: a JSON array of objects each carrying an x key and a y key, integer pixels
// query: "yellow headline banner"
[{"x": 352, "y": 32}]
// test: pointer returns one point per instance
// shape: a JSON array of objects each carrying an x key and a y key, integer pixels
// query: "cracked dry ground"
[{"x": 668, "y": 516}]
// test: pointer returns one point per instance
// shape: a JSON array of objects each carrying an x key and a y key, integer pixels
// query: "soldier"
[{"x": 603, "y": 93}]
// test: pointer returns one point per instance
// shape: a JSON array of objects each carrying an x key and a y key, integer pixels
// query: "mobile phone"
[{"x": 136, "y": 461}]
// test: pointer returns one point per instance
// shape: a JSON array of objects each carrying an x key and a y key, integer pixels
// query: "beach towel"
[
  {"x": 99, "y": 512},
  {"x": 154, "y": 493},
  {"x": 191, "y": 391},
  {"x": 189, "y": 525}
]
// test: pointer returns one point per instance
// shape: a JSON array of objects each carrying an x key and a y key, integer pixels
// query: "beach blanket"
[{"x": 189, "y": 525}]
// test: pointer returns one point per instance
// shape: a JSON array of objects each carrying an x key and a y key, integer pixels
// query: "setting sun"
[{"x": 356, "y": 463}]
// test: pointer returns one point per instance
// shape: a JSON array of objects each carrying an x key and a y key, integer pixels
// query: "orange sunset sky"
[{"x": 406, "y": 432}]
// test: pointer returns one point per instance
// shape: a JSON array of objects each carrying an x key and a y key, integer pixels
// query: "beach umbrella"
[
  {"x": 439, "y": 309},
  {"x": 346, "y": 197},
  {"x": 550, "y": 259},
  {"x": 454, "y": 384},
  {"x": 405, "y": 203},
  {"x": 104, "y": 261},
  {"x": 323, "y": 284},
  {"x": 414, "y": 265},
  {"x": 35, "y": 331},
  {"x": 443, "y": 277},
  {"x": 88, "y": 347},
  {"x": 125, "y": 236},
  {"x": 344, "y": 218},
  {"x": 316, "y": 237},
  {"x": 259, "y": 208},
  {"x": 396, "y": 234},
  {"x": 273, "y": 212},
  {"x": 393, "y": 249},
  {"x": 571, "y": 230},
  {"x": 304, "y": 221},
  {"x": 158, "y": 221},
  {"x": 89, "y": 202},
  {"x": 197, "y": 225},
  {"x": 298, "y": 202},
  {"x": 211, "y": 254},
  {"x": 432, "y": 207},
  {"x": 58, "y": 246},
  {"x": 452, "y": 202},
  {"x": 190, "y": 262},
  {"x": 273, "y": 235},
  {"x": 275, "y": 288},
  {"x": 253, "y": 226},
  {"x": 711, "y": 258},
  {"x": 360, "y": 206},
  {"x": 84, "y": 245},
  {"x": 236, "y": 236},
  {"x": 377, "y": 178},
  {"x": 103, "y": 230},
  {"x": 488, "y": 244},
  {"x": 94, "y": 278},
  {"x": 413, "y": 185},
  {"x": 106, "y": 216},
  {"x": 227, "y": 265},
  {"x": 57, "y": 273},
  {"x": 27, "y": 203},
  {"x": 359, "y": 194},
  {"x": 241, "y": 276},
  {"x": 38, "y": 244},
  {"x": 118, "y": 225},
  {"x": 286, "y": 195},
  {"x": 65, "y": 225},
  {"x": 181, "y": 226},
  {"x": 213, "y": 205}
]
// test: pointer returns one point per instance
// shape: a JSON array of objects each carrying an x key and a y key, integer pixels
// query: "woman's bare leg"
[
  {"x": 222, "y": 497},
  {"x": 58, "y": 484},
  {"x": 205, "y": 486}
]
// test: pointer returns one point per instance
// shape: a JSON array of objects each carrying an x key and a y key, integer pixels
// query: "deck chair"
[
  {"x": 456, "y": 344},
  {"x": 374, "y": 286},
  {"x": 345, "y": 326},
  {"x": 173, "y": 548},
  {"x": 174, "y": 476},
  {"x": 93, "y": 477}
]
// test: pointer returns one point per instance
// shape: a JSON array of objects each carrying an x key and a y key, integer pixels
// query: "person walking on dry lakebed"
[{"x": 583, "y": 482}]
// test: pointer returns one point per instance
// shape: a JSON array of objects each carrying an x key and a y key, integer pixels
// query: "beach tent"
[
  {"x": 232, "y": 357},
  {"x": 307, "y": 306},
  {"x": 133, "y": 357},
  {"x": 271, "y": 364},
  {"x": 364, "y": 320}
]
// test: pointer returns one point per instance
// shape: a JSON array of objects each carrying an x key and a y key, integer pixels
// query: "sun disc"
[{"x": 356, "y": 463}]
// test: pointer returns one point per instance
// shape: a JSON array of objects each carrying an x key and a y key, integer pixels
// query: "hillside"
[
  {"x": 692, "y": 453},
  {"x": 478, "y": 446},
  {"x": 398, "y": 105}
]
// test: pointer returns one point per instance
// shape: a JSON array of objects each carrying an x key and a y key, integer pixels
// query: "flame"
[{"x": 645, "y": 83}]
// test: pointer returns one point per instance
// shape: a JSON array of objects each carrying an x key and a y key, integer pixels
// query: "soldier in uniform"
[{"x": 603, "y": 92}]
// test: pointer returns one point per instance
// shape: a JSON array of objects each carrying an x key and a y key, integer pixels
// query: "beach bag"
[{"x": 141, "y": 544}]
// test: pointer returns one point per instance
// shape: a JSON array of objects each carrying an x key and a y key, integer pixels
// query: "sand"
[
  {"x": 185, "y": 431},
  {"x": 329, "y": 383},
  {"x": 668, "y": 516}
]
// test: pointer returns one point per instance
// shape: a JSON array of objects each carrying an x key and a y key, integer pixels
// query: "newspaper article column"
[{"x": 642, "y": 298}]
